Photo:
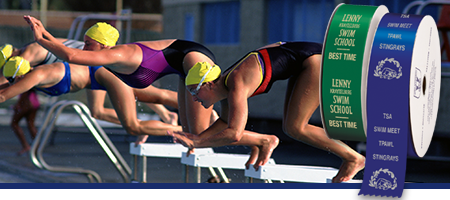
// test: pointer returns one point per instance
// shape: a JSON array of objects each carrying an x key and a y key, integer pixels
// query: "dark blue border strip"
[{"x": 207, "y": 186}]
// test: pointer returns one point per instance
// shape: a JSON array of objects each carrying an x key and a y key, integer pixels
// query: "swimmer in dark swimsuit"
[
  {"x": 299, "y": 62},
  {"x": 59, "y": 78},
  {"x": 138, "y": 64},
  {"x": 37, "y": 55}
]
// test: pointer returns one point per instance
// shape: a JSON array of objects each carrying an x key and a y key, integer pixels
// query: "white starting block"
[
  {"x": 350, "y": 181},
  {"x": 216, "y": 160},
  {"x": 165, "y": 150},
  {"x": 294, "y": 173}
]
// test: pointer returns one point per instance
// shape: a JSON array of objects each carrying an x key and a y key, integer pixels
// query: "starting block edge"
[
  {"x": 171, "y": 150},
  {"x": 294, "y": 173},
  {"x": 223, "y": 160}
]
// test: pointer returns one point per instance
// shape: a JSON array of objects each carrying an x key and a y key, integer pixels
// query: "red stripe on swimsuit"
[{"x": 267, "y": 74}]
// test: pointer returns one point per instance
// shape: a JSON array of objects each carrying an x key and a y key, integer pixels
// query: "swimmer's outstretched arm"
[
  {"x": 2, "y": 78},
  {"x": 77, "y": 56},
  {"x": 43, "y": 37},
  {"x": 4, "y": 85},
  {"x": 29, "y": 81}
]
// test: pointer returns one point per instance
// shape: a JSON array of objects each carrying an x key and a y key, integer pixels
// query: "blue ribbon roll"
[{"x": 402, "y": 99}]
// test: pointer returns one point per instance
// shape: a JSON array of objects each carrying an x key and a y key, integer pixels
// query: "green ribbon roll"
[{"x": 345, "y": 59}]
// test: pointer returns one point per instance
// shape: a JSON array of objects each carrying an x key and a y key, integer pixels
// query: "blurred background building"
[{"x": 230, "y": 28}]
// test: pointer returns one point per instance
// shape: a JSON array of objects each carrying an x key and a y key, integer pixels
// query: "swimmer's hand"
[
  {"x": 36, "y": 26},
  {"x": 140, "y": 140},
  {"x": 40, "y": 34},
  {"x": 186, "y": 139}
]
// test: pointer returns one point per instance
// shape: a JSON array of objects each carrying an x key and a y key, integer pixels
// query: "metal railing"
[
  {"x": 108, "y": 147},
  {"x": 411, "y": 5},
  {"x": 422, "y": 4},
  {"x": 78, "y": 23}
]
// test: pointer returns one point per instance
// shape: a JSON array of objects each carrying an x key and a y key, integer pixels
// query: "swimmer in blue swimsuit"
[
  {"x": 64, "y": 86},
  {"x": 299, "y": 62},
  {"x": 60, "y": 78},
  {"x": 28, "y": 104},
  {"x": 138, "y": 64}
]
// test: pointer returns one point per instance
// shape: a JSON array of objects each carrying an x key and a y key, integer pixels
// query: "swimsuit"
[
  {"x": 32, "y": 96},
  {"x": 158, "y": 63},
  {"x": 94, "y": 84},
  {"x": 51, "y": 58},
  {"x": 281, "y": 62},
  {"x": 62, "y": 87}
]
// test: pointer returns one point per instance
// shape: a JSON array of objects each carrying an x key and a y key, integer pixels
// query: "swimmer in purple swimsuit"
[
  {"x": 138, "y": 64},
  {"x": 299, "y": 62},
  {"x": 37, "y": 55}
]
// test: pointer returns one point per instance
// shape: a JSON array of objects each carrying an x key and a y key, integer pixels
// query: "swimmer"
[
  {"x": 151, "y": 96},
  {"x": 138, "y": 64},
  {"x": 28, "y": 103},
  {"x": 61, "y": 77},
  {"x": 26, "y": 107},
  {"x": 254, "y": 74}
]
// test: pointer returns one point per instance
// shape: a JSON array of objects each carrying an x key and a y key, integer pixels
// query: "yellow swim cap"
[
  {"x": 5, "y": 51},
  {"x": 103, "y": 33},
  {"x": 202, "y": 72},
  {"x": 16, "y": 66}
]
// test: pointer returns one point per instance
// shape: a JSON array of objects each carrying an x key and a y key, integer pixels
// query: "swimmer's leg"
[{"x": 302, "y": 98}]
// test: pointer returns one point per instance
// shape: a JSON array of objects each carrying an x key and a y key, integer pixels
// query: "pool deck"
[{"x": 72, "y": 146}]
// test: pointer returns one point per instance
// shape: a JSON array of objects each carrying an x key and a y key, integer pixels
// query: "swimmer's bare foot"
[
  {"x": 253, "y": 156},
  {"x": 24, "y": 150},
  {"x": 349, "y": 169},
  {"x": 140, "y": 140},
  {"x": 265, "y": 151}
]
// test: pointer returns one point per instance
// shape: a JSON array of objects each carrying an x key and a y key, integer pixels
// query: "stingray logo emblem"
[
  {"x": 417, "y": 83},
  {"x": 383, "y": 179},
  {"x": 388, "y": 69}
]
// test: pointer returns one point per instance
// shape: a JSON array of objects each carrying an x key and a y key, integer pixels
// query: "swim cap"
[
  {"x": 5, "y": 51},
  {"x": 202, "y": 72},
  {"x": 16, "y": 66},
  {"x": 103, "y": 33}
]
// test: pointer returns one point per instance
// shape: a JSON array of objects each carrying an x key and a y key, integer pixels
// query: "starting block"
[
  {"x": 350, "y": 181},
  {"x": 165, "y": 150},
  {"x": 216, "y": 160},
  {"x": 294, "y": 173}
]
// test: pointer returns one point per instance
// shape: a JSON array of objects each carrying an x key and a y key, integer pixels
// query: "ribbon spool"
[
  {"x": 403, "y": 88},
  {"x": 345, "y": 59}
]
